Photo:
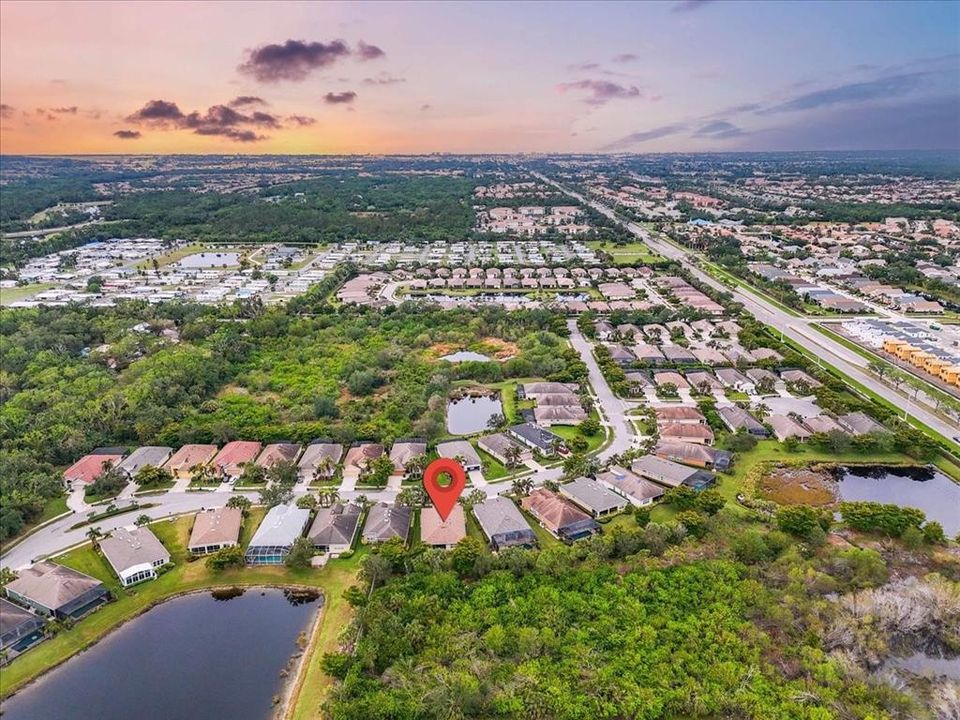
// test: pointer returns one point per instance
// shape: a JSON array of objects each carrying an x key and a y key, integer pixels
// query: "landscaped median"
[{"x": 185, "y": 577}]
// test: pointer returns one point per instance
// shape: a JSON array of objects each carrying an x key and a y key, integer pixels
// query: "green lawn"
[
  {"x": 544, "y": 538},
  {"x": 568, "y": 432},
  {"x": 185, "y": 576},
  {"x": 12, "y": 295},
  {"x": 493, "y": 469},
  {"x": 627, "y": 254}
]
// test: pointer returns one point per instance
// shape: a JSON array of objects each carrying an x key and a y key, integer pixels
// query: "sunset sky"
[{"x": 205, "y": 77}]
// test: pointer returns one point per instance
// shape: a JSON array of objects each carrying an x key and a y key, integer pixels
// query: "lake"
[
  {"x": 926, "y": 489},
  {"x": 464, "y": 356},
  {"x": 471, "y": 414},
  {"x": 191, "y": 657},
  {"x": 210, "y": 260}
]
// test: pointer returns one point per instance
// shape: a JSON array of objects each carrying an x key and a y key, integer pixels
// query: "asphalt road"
[{"x": 795, "y": 328}]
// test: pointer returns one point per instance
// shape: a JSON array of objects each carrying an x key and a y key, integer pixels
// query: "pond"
[
  {"x": 193, "y": 656},
  {"x": 471, "y": 414},
  {"x": 464, "y": 356},
  {"x": 210, "y": 260},
  {"x": 926, "y": 489}
]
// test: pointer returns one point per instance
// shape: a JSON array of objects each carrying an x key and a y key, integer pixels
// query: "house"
[
  {"x": 152, "y": 455},
  {"x": 593, "y": 498},
  {"x": 785, "y": 426},
  {"x": 335, "y": 528},
  {"x": 57, "y": 591},
  {"x": 604, "y": 330},
  {"x": 799, "y": 376},
  {"x": 403, "y": 451},
  {"x": 278, "y": 452},
  {"x": 17, "y": 625},
  {"x": 693, "y": 454},
  {"x": 708, "y": 355},
  {"x": 670, "y": 377},
  {"x": 680, "y": 415},
  {"x": 858, "y": 423},
  {"x": 621, "y": 355},
  {"x": 678, "y": 355},
  {"x": 559, "y": 517},
  {"x": 537, "y": 390},
  {"x": 88, "y": 468},
  {"x": 385, "y": 522},
  {"x": 187, "y": 458},
  {"x": 359, "y": 457},
  {"x": 460, "y": 450},
  {"x": 549, "y": 415},
  {"x": 647, "y": 354},
  {"x": 500, "y": 446},
  {"x": 503, "y": 525},
  {"x": 319, "y": 460},
  {"x": 671, "y": 474},
  {"x": 536, "y": 438},
  {"x": 442, "y": 534},
  {"x": 703, "y": 382},
  {"x": 135, "y": 554},
  {"x": 272, "y": 541},
  {"x": 701, "y": 434},
  {"x": 733, "y": 378},
  {"x": 822, "y": 424},
  {"x": 215, "y": 529},
  {"x": 639, "y": 491},
  {"x": 230, "y": 460},
  {"x": 736, "y": 418}
]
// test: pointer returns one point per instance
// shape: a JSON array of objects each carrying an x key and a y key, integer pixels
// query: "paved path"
[{"x": 796, "y": 328}]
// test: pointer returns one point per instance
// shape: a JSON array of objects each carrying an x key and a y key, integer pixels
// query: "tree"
[
  {"x": 94, "y": 534},
  {"x": 283, "y": 472},
  {"x": 415, "y": 466},
  {"x": 252, "y": 474},
  {"x": 799, "y": 520},
  {"x": 472, "y": 499},
  {"x": 589, "y": 427},
  {"x": 933, "y": 533},
  {"x": 328, "y": 498},
  {"x": 512, "y": 455},
  {"x": 276, "y": 494},
  {"x": 682, "y": 498},
  {"x": 521, "y": 487},
  {"x": 709, "y": 502},
  {"x": 142, "y": 521},
  {"x": 465, "y": 554},
  {"x": 378, "y": 471},
  {"x": 241, "y": 502},
  {"x": 694, "y": 522},
  {"x": 642, "y": 516},
  {"x": 307, "y": 502},
  {"x": 7, "y": 576},
  {"x": 151, "y": 476},
  {"x": 301, "y": 553},
  {"x": 230, "y": 556}
]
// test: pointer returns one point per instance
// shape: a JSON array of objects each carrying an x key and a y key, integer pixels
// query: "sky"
[{"x": 461, "y": 77}]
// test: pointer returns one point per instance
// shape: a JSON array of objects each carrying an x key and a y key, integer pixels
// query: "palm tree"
[
  {"x": 94, "y": 534},
  {"x": 512, "y": 455},
  {"x": 761, "y": 411},
  {"x": 324, "y": 468},
  {"x": 522, "y": 486}
]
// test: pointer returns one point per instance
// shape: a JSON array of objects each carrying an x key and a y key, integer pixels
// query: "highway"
[{"x": 795, "y": 328}]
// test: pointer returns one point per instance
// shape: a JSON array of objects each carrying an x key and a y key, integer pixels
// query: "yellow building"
[
  {"x": 920, "y": 357},
  {"x": 933, "y": 366},
  {"x": 904, "y": 351},
  {"x": 892, "y": 346},
  {"x": 951, "y": 374}
]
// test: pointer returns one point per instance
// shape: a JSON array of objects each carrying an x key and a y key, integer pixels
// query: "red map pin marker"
[{"x": 444, "y": 497}]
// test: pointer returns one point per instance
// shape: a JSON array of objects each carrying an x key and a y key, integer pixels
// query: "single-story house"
[
  {"x": 503, "y": 524},
  {"x": 679, "y": 415},
  {"x": 359, "y": 456},
  {"x": 498, "y": 445},
  {"x": 214, "y": 529},
  {"x": 708, "y": 355},
  {"x": 796, "y": 376},
  {"x": 536, "y": 438},
  {"x": 758, "y": 375},
  {"x": 234, "y": 455},
  {"x": 701, "y": 434},
  {"x": 858, "y": 423},
  {"x": 188, "y": 457},
  {"x": 16, "y": 624},
  {"x": 443, "y": 534},
  {"x": 535, "y": 390},
  {"x": 733, "y": 378},
  {"x": 460, "y": 450},
  {"x": 278, "y": 452},
  {"x": 152, "y": 455},
  {"x": 134, "y": 554},
  {"x": 702, "y": 381},
  {"x": 335, "y": 528},
  {"x": 385, "y": 522},
  {"x": 639, "y": 491},
  {"x": 559, "y": 517},
  {"x": 737, "y": 418},
  {"x": 566, "y": 399},
  {"x": 693, "y": 454},
  {"x": 621, "y": 355},
  {"x": 57, "y": 591},
  {"x": 403, "y": 451},
  {"x": 549, "y": 415},
  {"x": 648, "y": 354},
  {"x": 272, "y": 541},
  {"x": 785, "y": 426},
  {"x": 822, "y": 424},
  {"x": 593, "y": 498},
  {"x": 671, "y": 474},
  {"x": 88, "y": 468},
  {"x": 670, "y": 377},
  {"x": 319, "y": 460},
  {"x": 678, "y": 354}
]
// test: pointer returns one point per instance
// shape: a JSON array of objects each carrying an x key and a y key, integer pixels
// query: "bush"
[
  {"x": 799, "y": 520},
  {"x": 231, "y": 556},
  {"x": 694, "y": 522},
  {"x": 751, "y": 547},
  {"x": 710, "y": 502},
  {"x": 933, "y": 533},
  {"x": 889, "y": 519},
  {"x": 642, "y": 516},
  {"x": 682, "y": 498}
]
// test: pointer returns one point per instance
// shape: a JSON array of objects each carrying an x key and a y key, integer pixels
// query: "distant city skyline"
[{"x": 678, "y": 76}]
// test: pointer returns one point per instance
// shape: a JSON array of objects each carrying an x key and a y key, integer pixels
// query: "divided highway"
[{"x": 795, "y": 328}]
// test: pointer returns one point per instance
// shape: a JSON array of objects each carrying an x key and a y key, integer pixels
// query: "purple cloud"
[
  {"x": 340, "y": 98},
  {"x": 294, "y": 60},
  {"x": 72, "y": 110},
  {"x": 369, "y": 52},
  {"x": 128, "y": 134},
  {"x": 159, "y": 112},
  {"x": 384, "y": 79},
  {"x": 625, "y": 58},
  {"x": 689, "y": 5},
  {"x": 301, "y": 120},
  {"x": 879, "y": 89},
  {"x": 644, "y": 136},
  {"x": 718, "y": 130},
  {"x": 6, "y": 111},
  {"x": 218, "y": 120},
  {"x": 247, "y": 101},
  {"x": 601, "y": 91}
]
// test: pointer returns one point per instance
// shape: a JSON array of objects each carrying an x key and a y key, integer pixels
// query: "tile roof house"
[
  {"x": 319, "y": 459},
  {"x": 497, "y": 445},
  {"x": 234, "y": 455},
  {"x": 56, "y": 590},
  {"x": 16, "y": 624},
  {"x": 822, "y": 424},
  {"x": 671, "y": 474},
  {"x": 536, "y": 437},
  {"x": 737, "y": 418},
  {"x": 701, "y": 434},
  {"x": 135, "y": 554},
  {"x": 680, "y": 415},
  {"x": 359, "y": 457},
  {"x": 639, "y": 491},
  {"x": 278, "y": 452},
  {"x": 735, "y": 379},
  {"x": 794, "y": 376},
  {"x": 152, "y": 455},
  {"x": 592, "y": 497},
  {"x": 559, "y": 517},
  {"x": 272, "y": 541},
  {"x": 88, "y": 468},
  {"x": 214, "y": 529},
  {"x": 454, "y": 449},
  {"x": 503, "y": 525},
  {"x": 785, "y": 426},
  {"x": 387, "y": 521},
  {"x": 858, "y": 423},
  {"x": 443, "y": 534},
  {"x": 648, "y": 354},
  {"x": 335, "y": 528},
  {"x": 703, "y": 381},
  {"x": 189, "y": 456},
  {"x": 403, "y": 451},
  {"x": 549, "y": 415},
  {"x": 693, "y": 454}
]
